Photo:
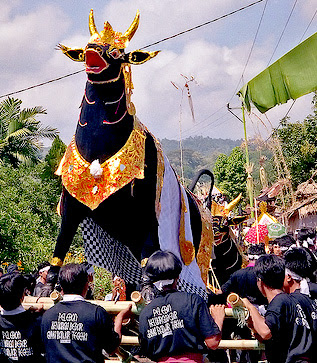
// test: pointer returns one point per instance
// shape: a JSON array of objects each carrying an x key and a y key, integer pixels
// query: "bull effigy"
[{"x": 116, "y": 180}]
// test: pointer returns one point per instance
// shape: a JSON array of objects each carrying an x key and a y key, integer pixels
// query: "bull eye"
[
  {"x": 99, "y": 50},
  {"x": 115, "y": 53}
]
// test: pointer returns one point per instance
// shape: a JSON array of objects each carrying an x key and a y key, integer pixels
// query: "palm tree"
[{"x": 21, "y": 133}]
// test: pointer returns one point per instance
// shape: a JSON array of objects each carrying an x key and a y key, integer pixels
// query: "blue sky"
[{"x": 214, "y": 55}]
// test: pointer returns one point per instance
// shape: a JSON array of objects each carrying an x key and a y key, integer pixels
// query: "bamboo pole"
[
  {"x": 251, "y": 344},
  {"x": 250, "y": 184},
  {"x": 112, "y": 307}
]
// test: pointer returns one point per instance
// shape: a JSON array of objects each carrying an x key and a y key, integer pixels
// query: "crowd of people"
[{"x": 278, "y": 288}]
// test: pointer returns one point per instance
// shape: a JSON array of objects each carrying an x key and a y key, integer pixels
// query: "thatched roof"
[{"x": 305, "y": 200}]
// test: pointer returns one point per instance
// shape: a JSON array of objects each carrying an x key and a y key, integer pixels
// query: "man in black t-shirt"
[
  {"x": 285, "y": 328},
  {"x": 176, "y": 324},
  {"x": 243, "y": 282},
  {"x": 75, "y": 330},
  {"x": 20, "y": 330}
]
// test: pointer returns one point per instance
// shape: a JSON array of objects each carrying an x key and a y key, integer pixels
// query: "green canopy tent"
[{"x": 290, "y": 77}]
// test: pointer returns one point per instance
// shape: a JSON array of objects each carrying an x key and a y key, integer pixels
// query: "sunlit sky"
[{"x": 214, "y": 56}]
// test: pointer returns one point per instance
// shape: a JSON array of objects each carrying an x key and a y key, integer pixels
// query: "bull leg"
[{"x": 73, "y": 213}]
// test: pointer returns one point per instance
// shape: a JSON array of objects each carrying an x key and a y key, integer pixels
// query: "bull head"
[
  {"x": 104, "y": 54},
  {"x": 221, "y": 220}
]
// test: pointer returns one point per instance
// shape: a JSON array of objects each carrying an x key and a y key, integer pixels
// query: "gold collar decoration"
[{"x": 127, "y": 164}]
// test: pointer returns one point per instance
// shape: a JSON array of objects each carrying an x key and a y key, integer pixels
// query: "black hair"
[
  {"x": 271, "y": 270},
  {"x": 305, "y": 233},
  {"x": 301, "y": 262},
  {"x": 73, "y": 278},
  {"x": 256, "y": 249},
  {"x": 162, "y": 265},
  {"x": 285, "y": 241},
  {"x": 12, "y": 287},
  {"x": 42, "y": 265},
  {"x": 1, "y": 270},
  {"x": 30, "y": 283}
]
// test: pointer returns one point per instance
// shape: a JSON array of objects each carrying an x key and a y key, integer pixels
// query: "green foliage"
[
  {"x": 102, "y": 283},
  {"x": 299, "y": 145},
  {"x": 230, "y": 173},
  {"x": 21, "y": 133},
  {"x": 29, "y": 223},
  {"x": 52, "y": 160}
]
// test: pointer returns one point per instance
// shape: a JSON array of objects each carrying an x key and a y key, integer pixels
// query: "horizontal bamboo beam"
[
  {"x": 242, "y": 344},
  {"x": 111, "y": 306}
]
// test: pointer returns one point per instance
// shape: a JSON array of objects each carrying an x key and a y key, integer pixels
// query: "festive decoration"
[
  {"x": 116, "y": 180},
  {"x": 257, "y": 234},
  {"x": 276, "y": 230}
]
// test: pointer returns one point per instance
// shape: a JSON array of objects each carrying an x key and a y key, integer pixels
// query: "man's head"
[
  {"x": 163, "y": 265},
  {"x": 255, "y": 251},
  {"x": 42, "y": 269},
  {"x": 73, "y": 278},
  {"x": 12, "y": 288},
  {"x": 270, "y": 271},
  {"x": 282, "y": 244},
  {"x": 299, "y": 266}
]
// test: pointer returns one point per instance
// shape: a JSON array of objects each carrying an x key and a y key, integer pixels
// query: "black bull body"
[{"x": 113, "y": 171}]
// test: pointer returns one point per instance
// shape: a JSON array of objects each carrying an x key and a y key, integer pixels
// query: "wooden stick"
[
  {"x": 243, "y": 344},
  {"x": 110, "y": 306}
]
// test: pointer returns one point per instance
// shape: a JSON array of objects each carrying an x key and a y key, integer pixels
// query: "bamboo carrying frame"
[{"x": 137, "y": 305}]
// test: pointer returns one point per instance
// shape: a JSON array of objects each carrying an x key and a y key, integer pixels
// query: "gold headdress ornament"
[
  {"x": 109, "y": 36},
  {"x": 233, "y": 203}
]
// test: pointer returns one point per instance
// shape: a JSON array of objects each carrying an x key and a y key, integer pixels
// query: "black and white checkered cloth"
[{"x": 104, "y": 251}]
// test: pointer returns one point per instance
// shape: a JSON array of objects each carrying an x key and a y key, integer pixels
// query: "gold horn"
[
  {"x": 133, "y": 27},
  {"x": 233, "y": 203},
  {"x": 92, "y": 26}
]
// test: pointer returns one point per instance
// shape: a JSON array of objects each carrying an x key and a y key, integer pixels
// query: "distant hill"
[
  {"x": 204, "y": 145},
  {"x": 198, "y": 153}
]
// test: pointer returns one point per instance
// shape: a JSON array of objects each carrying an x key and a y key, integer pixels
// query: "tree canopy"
[
  {"x": 21, "y": 133},
  {"x": 230, "y": 173},
  {"x": 299, "y": 144}
]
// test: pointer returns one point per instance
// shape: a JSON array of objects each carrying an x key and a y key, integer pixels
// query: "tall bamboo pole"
[{"x": 250, "y": 180}]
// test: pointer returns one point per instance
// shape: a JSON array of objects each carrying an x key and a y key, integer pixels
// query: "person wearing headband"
[
  {"x": 300, "y": 268},
  {"x": 43, "y": 269},
  {"x": 287, "y": 328},
  {"x": 176, "y": 326}
]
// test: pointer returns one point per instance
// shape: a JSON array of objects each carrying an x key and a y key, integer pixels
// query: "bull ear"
[
  {"x": 140, "y": 56},
  {"x": 77, "y": 54}
]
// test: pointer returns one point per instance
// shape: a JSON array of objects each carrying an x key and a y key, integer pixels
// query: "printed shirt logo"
[
  {"x": 13, "y": 346},
  {"x": 301, "y": 317},
  {"x": 163, "y": 322},
  {"x": 67, "y": 328}
]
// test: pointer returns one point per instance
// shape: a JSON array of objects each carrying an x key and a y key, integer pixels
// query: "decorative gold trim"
[
  {"x": 56, "y": 261},
  {"x": 119, "y": 170},
  {"x": 187, "y": 248},
  {"x": 144, "y": 262}
]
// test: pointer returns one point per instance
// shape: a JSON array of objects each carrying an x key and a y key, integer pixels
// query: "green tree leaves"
[
  {"x": 21, "y": 132},
  {"x": 230, "y": 173}
]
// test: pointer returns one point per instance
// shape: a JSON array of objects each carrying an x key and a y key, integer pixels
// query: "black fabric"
[
  {"x": 173, "y": 323},
  {"x": 244, "y": 283},
  {"x": 77, "y": 331},
  {"x": 38, "y": 287},
  {"x": 20, "y": 338},
  {"x": 313, "y": 290},
  {"x": 292, "y": 337}
]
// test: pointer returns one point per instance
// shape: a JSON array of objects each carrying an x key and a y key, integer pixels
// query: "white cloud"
[{"x": 28, "y": 57}]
